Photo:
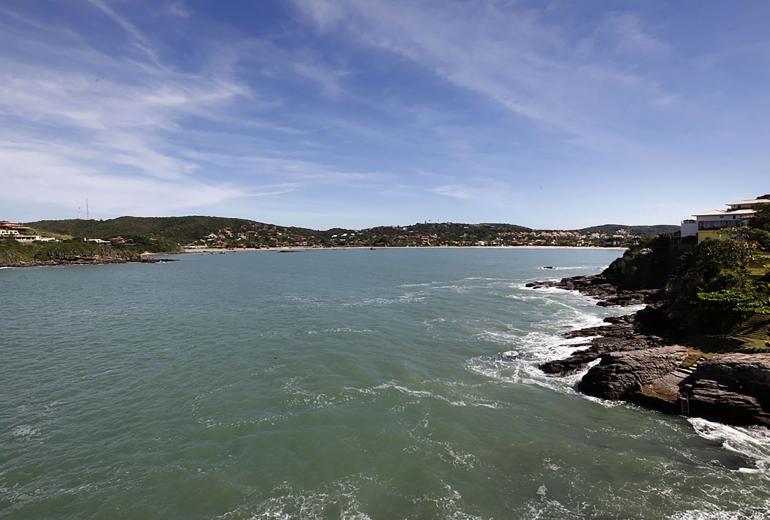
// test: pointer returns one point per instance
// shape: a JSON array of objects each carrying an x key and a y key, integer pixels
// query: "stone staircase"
[{"x": 684, "y": 399}]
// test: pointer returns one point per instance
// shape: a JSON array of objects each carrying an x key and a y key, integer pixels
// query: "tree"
[
  {"x": 761, "y": 219},
  {"x": 729, "y": 307}
]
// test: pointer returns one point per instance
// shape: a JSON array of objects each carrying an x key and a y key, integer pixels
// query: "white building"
[
  {"x": 689, "y": 228},
  {"x": 27, "y": 238},
  {"x": 719, "y": 222},
  {"x": 754, "y": 204}
]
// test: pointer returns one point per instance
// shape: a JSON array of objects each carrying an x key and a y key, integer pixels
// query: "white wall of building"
[{"x": 689, "y": 228}]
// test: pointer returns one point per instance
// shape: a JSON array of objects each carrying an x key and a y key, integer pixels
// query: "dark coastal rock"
[
  {"x": 732, "y": 388},
  {"x": 599, "y": 287},
  {"x": 661, "y": 394},
  {"x": 637, "y": 366},
  {"x": 619, "y": 374},
  {"x": 614, "y": 337}
]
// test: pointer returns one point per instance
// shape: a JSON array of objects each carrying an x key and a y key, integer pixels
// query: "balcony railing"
[{"x": 721, "y": 224}]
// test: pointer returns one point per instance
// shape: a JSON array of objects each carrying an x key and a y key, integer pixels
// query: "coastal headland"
[{"x": 689, "y": 351}]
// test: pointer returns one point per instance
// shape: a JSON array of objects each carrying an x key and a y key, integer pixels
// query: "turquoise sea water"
[{"x": 335, "y": 384}]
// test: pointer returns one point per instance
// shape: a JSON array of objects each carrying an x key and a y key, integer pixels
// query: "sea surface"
[{"x": 352, "y": 384}]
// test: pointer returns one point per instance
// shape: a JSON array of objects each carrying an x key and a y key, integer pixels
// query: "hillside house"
[{"x": 719, "y": 223}]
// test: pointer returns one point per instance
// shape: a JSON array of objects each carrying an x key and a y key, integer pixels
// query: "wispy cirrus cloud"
[
  {"x": 115, "y": 125},
  {"x": 512, "y": 56}
]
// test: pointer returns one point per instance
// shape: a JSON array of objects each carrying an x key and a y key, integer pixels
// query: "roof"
[
  {"x": 749, "y": 201},
  {"x": 719, "y": 212}
]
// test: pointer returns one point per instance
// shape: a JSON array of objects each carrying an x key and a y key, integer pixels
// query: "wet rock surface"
[
  {"x": 621, "y": 335},
  {"x": 733, "y": 388},
  {"x": 642, "y": 368},
  {"x": 621, "y": 374},
  {"x": 599, "y": 287}
]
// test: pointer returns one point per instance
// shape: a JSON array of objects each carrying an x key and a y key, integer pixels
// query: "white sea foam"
[
  {"x": 573, "y": 267},
  {"x": 466, "y": 400},
  {"x": 25, "y": 432},
  {"x": 757, "y": 513},
  {"x": 752, "y": 442},
  {"x": 287, "y": 502},
  {"x": 519, "y": 364}
]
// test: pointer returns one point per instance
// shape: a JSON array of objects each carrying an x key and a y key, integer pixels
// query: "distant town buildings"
[{"x": 721, "y": 223}]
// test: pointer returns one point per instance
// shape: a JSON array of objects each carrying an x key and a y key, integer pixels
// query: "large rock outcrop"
[
  {"x": 732, "y": 388},
  {"x": 619, "y": 375}
]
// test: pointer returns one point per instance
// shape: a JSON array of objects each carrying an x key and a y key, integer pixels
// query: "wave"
[
  {"x": 753, "y": 442},
  {"x": 572, "y": 267},
  {"x": 568, "y": 310},
  {"x": 758, "y": 513}
]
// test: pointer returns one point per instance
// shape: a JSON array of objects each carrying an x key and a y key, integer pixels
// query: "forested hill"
[
  {"x": 178, "y": 229},
  {"x": 634, "y": 230},
  {"x": 234, "y": 232}
]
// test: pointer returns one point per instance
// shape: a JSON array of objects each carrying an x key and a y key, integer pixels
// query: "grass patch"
[{"x": 690, "y": 360}]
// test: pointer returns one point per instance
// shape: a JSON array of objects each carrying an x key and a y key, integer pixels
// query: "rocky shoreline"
[
  {"x": 87, "y": 260},
  {"x": 640, "y": 367}
]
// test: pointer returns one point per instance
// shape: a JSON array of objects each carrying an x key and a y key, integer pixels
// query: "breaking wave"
[{"x": 752, "y": 442}]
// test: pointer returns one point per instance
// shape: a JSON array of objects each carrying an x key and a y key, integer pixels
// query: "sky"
[{"x": 356, "y": 113}]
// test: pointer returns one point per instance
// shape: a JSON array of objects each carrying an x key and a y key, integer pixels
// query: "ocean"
[{"x": 357, "y": 384}]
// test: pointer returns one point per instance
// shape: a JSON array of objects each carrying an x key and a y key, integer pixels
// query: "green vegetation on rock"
[
  {"x": 718, "y": 288},
  {"x": 70, "y": 251}
]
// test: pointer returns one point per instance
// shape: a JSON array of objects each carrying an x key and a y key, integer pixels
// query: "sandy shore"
[{"x": 210, "y": 250}]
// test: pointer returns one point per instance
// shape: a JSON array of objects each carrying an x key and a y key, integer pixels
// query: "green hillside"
[
  {"x": 167, "y": 233},
  {"x": 178, "y": 229},
  {"x": 634, "y": 230}
]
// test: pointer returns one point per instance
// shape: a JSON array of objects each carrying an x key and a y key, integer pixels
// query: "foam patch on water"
[
  {"x": 567, "y": 310},
  {"x": 286, "y": 502},
  {"x": 758, "y": 513},
  {"x": 25, "y": 432},
  {"x": 448, "y": 503},
  {"x": 752, "y": 442},
  {"x": 572, "y": 267}
]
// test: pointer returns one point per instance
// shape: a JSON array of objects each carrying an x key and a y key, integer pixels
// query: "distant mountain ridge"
[{"x": 168, "y": 233}]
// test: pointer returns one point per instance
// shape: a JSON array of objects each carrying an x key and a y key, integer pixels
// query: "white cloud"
[
  {"x": 77, "y": 121},
  {"x": 45, "y": 176},
  {"x": 511, "y": 56},
  {"x": 480, "y": 191},
  {"x": 140, "y": 41}
]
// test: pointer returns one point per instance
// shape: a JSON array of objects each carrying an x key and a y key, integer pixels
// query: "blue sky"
[{"x": 356, "y": 113}]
